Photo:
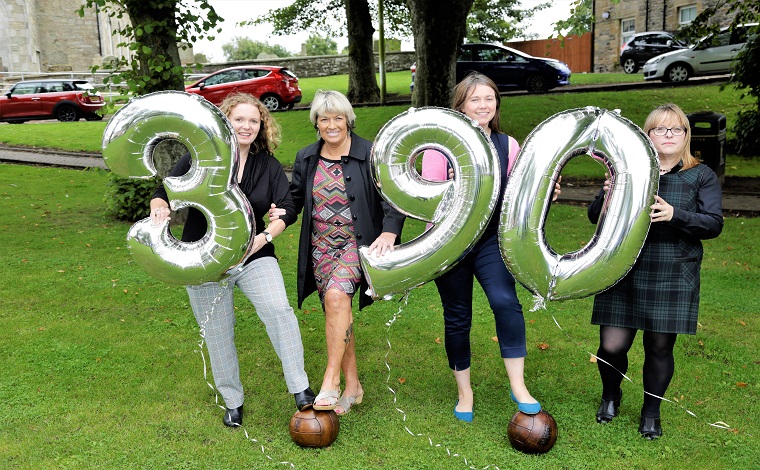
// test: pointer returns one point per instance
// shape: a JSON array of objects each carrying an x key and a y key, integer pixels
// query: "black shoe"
[
  {"x": 304, "y": 399},
  {"x": 233, "y": 417},
  {"x": 608, "y": 409},
  {"x": 650, "y": 428}
]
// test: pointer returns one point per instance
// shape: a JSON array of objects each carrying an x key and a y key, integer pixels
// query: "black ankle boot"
[
  {"x": 304, "y": 399},
  {"x": 650, "y": 428},
  {"x": 233, "y": 417},
  {"x": 608, "y": 409}
]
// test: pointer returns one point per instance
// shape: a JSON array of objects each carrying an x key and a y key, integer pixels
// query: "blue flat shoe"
[
  {"x": 465, "y": 416},
  {"x": 527, "y": 408}
]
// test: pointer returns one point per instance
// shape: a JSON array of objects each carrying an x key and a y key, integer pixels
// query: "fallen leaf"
[
  {"x": 531, "y": 321},
  {"x": 741, "y": 384},
  {"x": 592, "y": 359},
  {"x": 125, "y": 291},
  {"x": 543, "y": 346},
  {"x": 401, "y": 380},
  {"x": 495, "y": 339},
  {"x": 701, "y": 343},
  {"x": 61, "y": 271},
  {"x": 438, "y": 340},
  {"x": 42, "y": 328},
  {"x": 742, "y": 323}
]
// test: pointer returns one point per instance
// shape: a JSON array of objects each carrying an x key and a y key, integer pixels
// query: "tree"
[
  {"x": 318, "y": 45},
  {"x": 247, "y": 49},
  {"x": 497, "y": 20},
  {"x": 745, "y": 76},
  {"x": 580, "y": 21},
  {"x": 310, "y": 14},
  {"x": 437, "y": 38},
  {"x": 153, "y": 34}
]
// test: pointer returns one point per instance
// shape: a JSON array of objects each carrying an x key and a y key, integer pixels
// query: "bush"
[
  {"x": 129, "y": 199},
  {"x": 747, "y": 129}
]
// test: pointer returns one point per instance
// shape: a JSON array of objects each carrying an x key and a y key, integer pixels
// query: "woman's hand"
[
  {"x": 557, "y": 189},
  {"x": 383, "y": 244},
  {"x": 256, "y": 244},
  {"x": 606, "y": 183},
  {"x": 159, "y": 215},
  {"x": 661, "y": 210},
  {"x": 275, "y": 212}
]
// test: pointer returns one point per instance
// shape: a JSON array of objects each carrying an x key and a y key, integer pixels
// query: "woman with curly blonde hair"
[{"x": 261, "y": 177}]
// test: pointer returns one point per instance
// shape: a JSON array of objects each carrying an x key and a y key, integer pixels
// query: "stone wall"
[
  {"x": 321, "y": 66},
  {"x": 662, "y": 15}
]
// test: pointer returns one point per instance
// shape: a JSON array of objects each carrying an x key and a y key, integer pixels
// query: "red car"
[
  {"x": 276, "y": 87},
  {"x": 65, "y": 100}
]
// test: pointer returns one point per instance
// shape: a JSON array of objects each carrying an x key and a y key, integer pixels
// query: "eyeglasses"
[{"x": 676, "y": 131}]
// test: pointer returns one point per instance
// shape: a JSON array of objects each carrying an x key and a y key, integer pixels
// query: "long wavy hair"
[
  {"x": 466, "y": 87},
  {"x": 270, "y": 133},
  {"x": 667, "y": 113}
]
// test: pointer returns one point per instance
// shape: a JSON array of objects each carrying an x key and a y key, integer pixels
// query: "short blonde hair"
[
  {"x": 269, "y": 136},
  {"x": 668, "y": 112},
  {"x": 332, "y": 102}
]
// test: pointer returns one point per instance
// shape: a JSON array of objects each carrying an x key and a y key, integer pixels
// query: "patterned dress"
[
  {"x": 661, "y": 292},
  {"x": 334, "y": 251}
]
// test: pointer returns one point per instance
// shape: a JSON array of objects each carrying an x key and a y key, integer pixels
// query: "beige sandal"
[
  {"x": 347, "y": 402},
  {"x": 331, "y": 396}
]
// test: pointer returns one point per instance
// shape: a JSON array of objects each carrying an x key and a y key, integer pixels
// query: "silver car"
[{"x": 712, "y": 55}]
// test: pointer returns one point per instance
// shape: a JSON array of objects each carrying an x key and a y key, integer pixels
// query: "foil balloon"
[
  {"x": 459, "y": 208},
  {"x": 632, "y": 164},
  {"x": 128, "y": 143}
]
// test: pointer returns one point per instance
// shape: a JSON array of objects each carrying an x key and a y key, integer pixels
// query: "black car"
[
  {"x": 511, "y": 69},
  {"x": 643, "y": 46}
]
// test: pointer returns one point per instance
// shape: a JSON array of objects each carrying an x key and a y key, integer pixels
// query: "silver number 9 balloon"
[
  {"x": 128, "y": 143},
  {"x": 633, "y": 167},
  {"x": 459, "y": 208}
]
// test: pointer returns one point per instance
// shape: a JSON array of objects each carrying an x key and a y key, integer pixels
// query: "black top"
[{"x": 264, "y": 182}]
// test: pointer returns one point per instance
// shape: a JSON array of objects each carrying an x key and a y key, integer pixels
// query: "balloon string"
[
  {"x": 717, "y": 424},
  {"x": 201, "y": 343},
  {"x": 389, "y": 324}
]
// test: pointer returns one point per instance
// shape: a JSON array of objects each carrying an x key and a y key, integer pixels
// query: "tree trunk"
[
  {"x": 158, "y": 64},
  {"x": 362, "y": 84},
  {"x": 439, "y": 26}
]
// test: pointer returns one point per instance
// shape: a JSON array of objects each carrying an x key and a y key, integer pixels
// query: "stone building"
[
  {"x": 615, "y": 22},
  {"x": 40, "y": 36}
]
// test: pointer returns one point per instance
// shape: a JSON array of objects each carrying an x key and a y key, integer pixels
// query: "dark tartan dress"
[{"x": 661, "y": 291}]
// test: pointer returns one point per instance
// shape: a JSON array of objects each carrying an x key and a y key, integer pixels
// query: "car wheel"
[
  {"x": 67, "y": 113},
  {"x": 677, "y": 73},
  {"x": 629, "y": 65},
  {"x": 16, "y": 122},
  {"x": 93, "y": 117},
  {"x": 536, "y": 83},
  {"x": 271, "y": 102}
]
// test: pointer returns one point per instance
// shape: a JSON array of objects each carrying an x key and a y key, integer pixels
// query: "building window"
[
  {"x": 687, "y": 14},
  {"x": 627, "y": 29}
]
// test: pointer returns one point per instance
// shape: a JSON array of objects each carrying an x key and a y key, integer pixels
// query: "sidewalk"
[{"x": 733, "y": 204}]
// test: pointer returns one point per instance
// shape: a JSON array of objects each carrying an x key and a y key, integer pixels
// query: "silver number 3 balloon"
[
  {"x": 128, "y": 143},
  {"x": 458, "y": 208}
]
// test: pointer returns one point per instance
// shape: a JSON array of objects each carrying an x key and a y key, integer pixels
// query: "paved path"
[{"x": 732, "y": 203}]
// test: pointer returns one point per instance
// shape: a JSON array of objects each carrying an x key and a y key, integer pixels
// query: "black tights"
[{"x": 614, "y": 344}]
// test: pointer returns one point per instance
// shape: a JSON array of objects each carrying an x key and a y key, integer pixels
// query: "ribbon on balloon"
[
  {"x": 459, "y": 209},
  {"x": 129, "y": 140}
]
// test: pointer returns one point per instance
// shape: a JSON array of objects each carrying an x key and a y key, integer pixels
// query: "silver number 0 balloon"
[
  {"x": 128, "y": 143},
  {"x": 459, "y": 208},
  {"x": 632, "y": 163}
]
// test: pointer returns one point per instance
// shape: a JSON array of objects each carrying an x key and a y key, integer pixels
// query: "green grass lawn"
[{"x": 101, "y": 366}]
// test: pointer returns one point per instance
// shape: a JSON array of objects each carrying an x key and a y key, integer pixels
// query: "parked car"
[
  {"x": 276, "y": 87},
  {"x": 65, "y": 100},
  {"x": 510, "y": 69},
  {"x": 643, "y": 46},
  {"x": 712, "y": 55}
]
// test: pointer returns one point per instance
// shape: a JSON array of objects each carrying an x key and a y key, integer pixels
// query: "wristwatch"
[{"x": 267, "y": 237}]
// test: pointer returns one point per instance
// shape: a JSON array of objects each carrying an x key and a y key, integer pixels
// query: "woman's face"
[
  {"x": 668, "y": 146},
  {"x": 333, "y": 128},
  {"x": 246, "y": 122},
  {"x": 481, "y": 105}
]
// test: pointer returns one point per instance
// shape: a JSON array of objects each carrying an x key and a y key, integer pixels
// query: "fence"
[{"x": 576, "y": 52}]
